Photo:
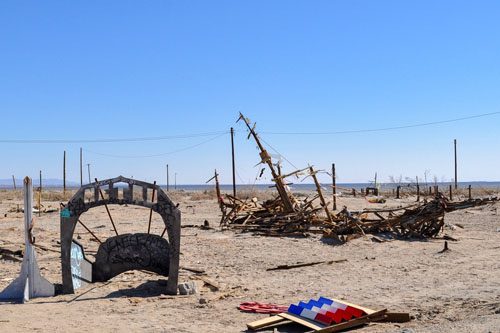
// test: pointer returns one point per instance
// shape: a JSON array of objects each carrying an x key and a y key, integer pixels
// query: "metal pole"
[
  {"x": 106, "y": 206},
  {"x": 88, "y": 169},
  {"x": 151, "y": 210},
  {"x": 456, "y": 181},
  {"x": 234, "y": 168},
  {"x": 175, "y": 181},
  {"x": 334, "y": 185},
  {"x": 14, "y": 181},
  {"x": 81, "y": 167},
  {"x": 64, "y": 173},
  {"x": 167, "y": 179}
]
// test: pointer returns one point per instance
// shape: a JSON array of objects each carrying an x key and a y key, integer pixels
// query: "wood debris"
[{"x": 286, "y": 215}]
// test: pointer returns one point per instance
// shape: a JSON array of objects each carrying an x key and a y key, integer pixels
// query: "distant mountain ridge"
[{"x": 49, "y": 182}]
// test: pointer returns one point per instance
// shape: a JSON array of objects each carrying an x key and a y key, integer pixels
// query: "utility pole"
[
  {"x": 39, "y": 197},
  {"x": 14, "y": 181},
  {"x": 232, "y": 155},
  {"x": 175, "y": 181},
  {"x": 266, "y": 158},
  {"x": 167, "y": 179},
  {"x": 88, "y": 169},
  {"x": 334, "y": 185},
  {"x": 64, "y": 173},
  {"x": 81, "y": 167},
  {"x": 456, "y": 181}
]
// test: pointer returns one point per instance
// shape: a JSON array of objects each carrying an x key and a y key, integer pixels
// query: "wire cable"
[
  {"x": 111, "y": 140},
  {"x": 382, "y": 129},
  {"x": 161, "y": 154}
]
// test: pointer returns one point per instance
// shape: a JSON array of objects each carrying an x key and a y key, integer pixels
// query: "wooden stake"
[
  {"x": 451, "y": 193},
  {"x": 470, "y": 192},
  {"x": 397, "y": 191}
]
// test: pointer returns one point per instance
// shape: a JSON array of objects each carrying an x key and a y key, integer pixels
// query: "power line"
[
  {"x": 161, "y": 154},
  {"x": 384, "y": 128},
  {"x": 111, "y": 140}
]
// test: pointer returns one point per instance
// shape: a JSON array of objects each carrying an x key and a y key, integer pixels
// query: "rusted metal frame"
[
  {"x": 90, "y": 231},
  {"x": 105, "y": 205},
  {"x": 151, "y": 210}
]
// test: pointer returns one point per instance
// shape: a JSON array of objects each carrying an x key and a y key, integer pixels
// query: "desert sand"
[{"x": 453, "y": 291}]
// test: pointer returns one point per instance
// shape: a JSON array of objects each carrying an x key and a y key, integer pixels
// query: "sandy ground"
[{"x": 454, "y": 291}]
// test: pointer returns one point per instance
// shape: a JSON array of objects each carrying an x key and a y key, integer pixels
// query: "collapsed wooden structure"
[{"x": 287, "y": 215}]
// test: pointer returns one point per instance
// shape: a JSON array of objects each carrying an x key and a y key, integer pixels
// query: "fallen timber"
[{"x": 286, "y": 215}]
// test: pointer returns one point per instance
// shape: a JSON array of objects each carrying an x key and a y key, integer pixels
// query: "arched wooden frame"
[{"x": 164, "y": 206}]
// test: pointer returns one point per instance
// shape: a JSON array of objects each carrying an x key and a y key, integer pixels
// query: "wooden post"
[
  {"x": 39, "y": 197},
  {"x": 88, "y": 169},
  {"x": 451, "y": 192},
  {"x": 233, "y": 162},
  {"x": 64, "y": 173},
  {"x": 167, "y": 179},
  {"x": 436, "y": 189},
  {"x": 354, "y": 192},
  {"x": 334, "y": 187},
  {"x": 81, "y": 167},
  {"x": 470, "y": 192},
  {"x": 397, "y": 191},
  {"x": 418, "y": 190},
  {"x": 321, "y": 198},
  {"x": 14, "y": 182},
  {"x": 456, "y": 181}
]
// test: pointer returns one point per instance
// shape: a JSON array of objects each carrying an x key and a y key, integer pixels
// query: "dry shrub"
[{"x": 203, "y": 195}]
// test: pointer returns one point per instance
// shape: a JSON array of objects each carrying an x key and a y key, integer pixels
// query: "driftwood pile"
[{"x": 287, "y": 216}]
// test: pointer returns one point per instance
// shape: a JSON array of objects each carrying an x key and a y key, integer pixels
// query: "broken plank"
[
  {"x": 302, "y": 321},
  {"x": 376, "y": 316},
  {"x": 269, "y": 321},
  {"x": 282, "y": 267}
]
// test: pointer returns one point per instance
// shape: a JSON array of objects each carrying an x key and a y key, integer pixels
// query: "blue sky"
[{"x": 121, "y": 69}]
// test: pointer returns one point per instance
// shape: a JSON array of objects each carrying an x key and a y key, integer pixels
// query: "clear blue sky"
[{"x": 118, "y": 69}]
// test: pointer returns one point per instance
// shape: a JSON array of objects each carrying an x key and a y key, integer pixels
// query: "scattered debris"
[
  {"x": 266, "y": 308},
  {"x": 328, "y": 315},
  {"x": 281, "y": 267},
  {"x": 187, "y": 288},
  {"x": 286, "y": 215},
  {"x": 445, "y": 247}
]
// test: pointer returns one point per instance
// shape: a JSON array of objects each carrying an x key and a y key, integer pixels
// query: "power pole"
[
  {"x": 232, "y": 155},
  {"x": 81, "y": 167},
  {"x": 175, "y": 181},
  {"x": 456, "y": 181},
  {"x": 64, "y": 173},
  {"x": 88, "y": 169},
  {"x": 39, "y": 197},
  {"x": 167, "y": 179},
  {"x": 334, "y": 185},
  {"x": 266, "y": 158}
]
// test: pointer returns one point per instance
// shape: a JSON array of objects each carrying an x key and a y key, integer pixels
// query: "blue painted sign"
[{"x": 65, "y": 213}]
